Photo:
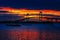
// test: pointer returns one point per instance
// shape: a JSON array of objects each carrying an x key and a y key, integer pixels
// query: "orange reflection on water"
[
  {"x": 23, "y": 35},
  {"x": 29, "y": 35}
]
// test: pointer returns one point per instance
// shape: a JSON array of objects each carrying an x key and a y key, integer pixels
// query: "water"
[{"x": 30, "y": 31}]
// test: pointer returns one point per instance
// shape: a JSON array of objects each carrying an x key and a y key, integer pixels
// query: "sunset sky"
[{"x": 32, "y": 31}]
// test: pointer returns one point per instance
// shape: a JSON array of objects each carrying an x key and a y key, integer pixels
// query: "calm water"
[{"x": 30, "y": 31}]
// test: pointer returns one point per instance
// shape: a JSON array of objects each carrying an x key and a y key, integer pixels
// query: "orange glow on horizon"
[
  {"x": 25, "y": 11},
  {"x": 31, "y": 13}
]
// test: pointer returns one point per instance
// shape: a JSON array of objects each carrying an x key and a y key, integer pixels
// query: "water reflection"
[
  {"x": 30, "y": 31},
  {"x": 28, "y": 35}
]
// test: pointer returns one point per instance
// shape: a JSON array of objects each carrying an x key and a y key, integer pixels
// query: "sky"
[{"x": 31, "y": 4}]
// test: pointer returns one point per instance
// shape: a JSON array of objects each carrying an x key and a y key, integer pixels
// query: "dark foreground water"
[{"x": 30, "y": 31}]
